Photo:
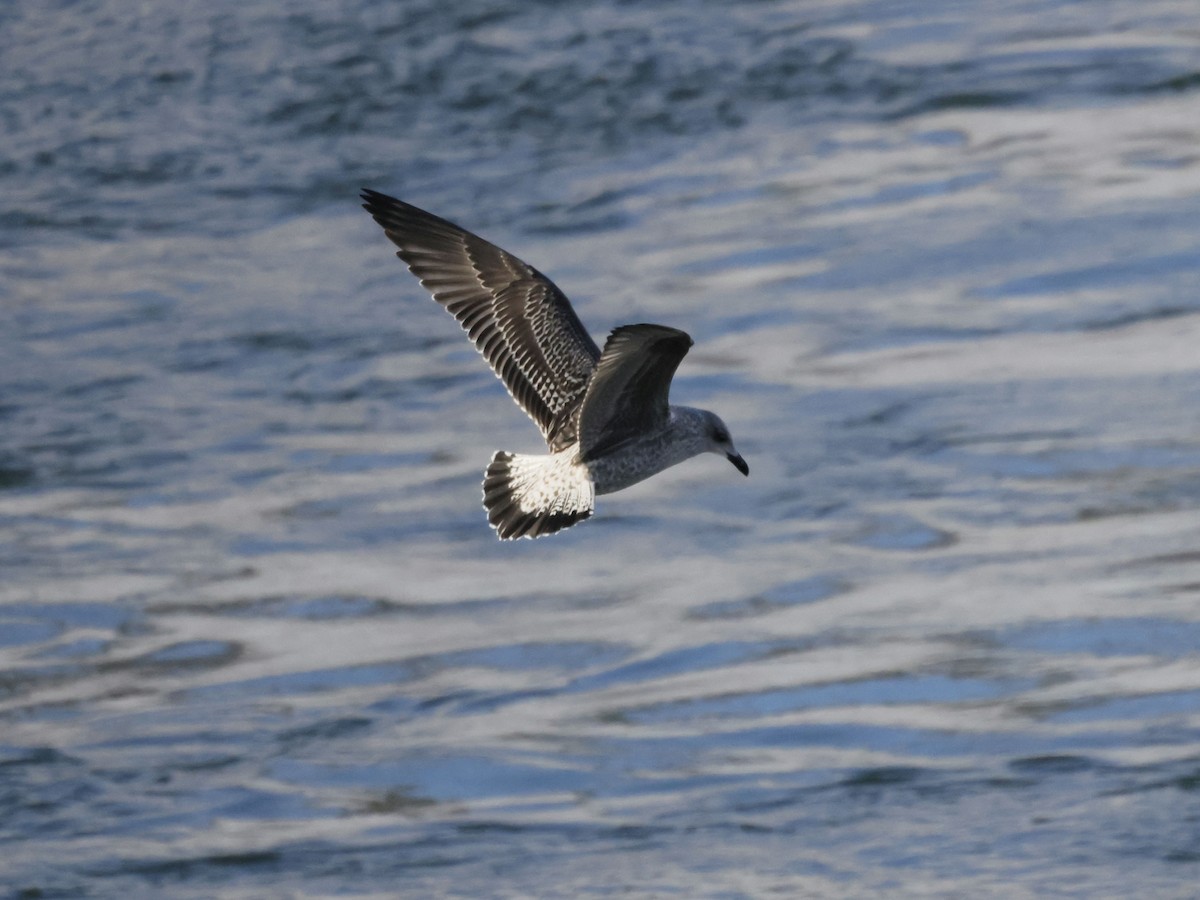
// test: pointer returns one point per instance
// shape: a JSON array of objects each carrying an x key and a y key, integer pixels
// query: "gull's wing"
[
  {"x": 522, "y": 324},
  {"x": 628, "y": 394}
]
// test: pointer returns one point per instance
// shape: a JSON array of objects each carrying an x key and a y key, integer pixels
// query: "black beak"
[{"x": 738, "y": 463}]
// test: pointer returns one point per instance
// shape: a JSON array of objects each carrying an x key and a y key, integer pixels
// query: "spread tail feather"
[{"x": 529, "y": 496}]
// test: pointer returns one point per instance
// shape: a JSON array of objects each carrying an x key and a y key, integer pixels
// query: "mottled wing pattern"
[
  {"x": 628, "y": 393},
  {"x": 517, "y": 318}
]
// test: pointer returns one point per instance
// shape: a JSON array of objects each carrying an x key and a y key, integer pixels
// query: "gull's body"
[{"x": 604, "y": 414}]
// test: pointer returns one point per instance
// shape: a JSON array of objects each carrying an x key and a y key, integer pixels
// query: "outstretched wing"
[
  {"x": 628, "y": 394},
  {"x": 522, "y": 324}
]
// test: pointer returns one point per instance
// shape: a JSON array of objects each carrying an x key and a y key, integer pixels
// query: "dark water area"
[{"x": 942, "y": 266}]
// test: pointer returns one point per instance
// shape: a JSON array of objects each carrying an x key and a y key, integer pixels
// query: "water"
[{"x": 256, "y": 639}]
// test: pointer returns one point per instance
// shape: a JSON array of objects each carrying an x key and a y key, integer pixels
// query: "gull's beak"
[{"x": 738, "y": 462}]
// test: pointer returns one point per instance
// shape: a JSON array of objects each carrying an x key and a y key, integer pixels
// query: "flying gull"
[{"x": 604, "y": 414}]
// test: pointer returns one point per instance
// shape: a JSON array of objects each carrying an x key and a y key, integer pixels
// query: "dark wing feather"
[
  {"x": 628, "y": 394},
  {"x": 522, "y": 324}
]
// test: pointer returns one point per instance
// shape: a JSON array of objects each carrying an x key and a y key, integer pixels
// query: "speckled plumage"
[{"x": 604, "y": 414}]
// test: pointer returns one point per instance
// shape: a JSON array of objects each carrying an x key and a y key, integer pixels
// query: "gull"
[{"x": 604, "y": 414}]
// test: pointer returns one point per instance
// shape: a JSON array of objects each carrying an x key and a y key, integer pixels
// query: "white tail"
[{"x": 528, "y": 496}]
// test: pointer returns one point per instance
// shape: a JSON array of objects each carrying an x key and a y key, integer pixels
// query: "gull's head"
[{"x": 716, "y": 433}]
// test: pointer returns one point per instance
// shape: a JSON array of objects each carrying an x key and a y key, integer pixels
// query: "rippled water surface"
[{"x": 942, "y": 266}]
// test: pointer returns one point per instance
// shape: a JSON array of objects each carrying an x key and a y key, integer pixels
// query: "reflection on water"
[{"x": 255, "y": 636}]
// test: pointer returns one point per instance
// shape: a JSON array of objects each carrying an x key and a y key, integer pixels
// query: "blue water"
[{"x": 942, "y": 270}]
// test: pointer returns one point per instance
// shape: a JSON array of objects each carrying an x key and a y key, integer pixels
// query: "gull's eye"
[{"x": 720, "y": 435}]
